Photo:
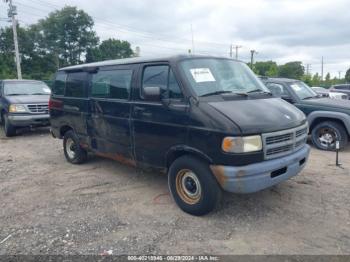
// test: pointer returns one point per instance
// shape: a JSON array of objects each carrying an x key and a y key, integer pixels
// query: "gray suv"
[{"x": 23, "y": 103}]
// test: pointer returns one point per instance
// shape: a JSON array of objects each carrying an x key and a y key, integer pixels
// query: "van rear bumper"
[
  {"x": 256, "y": 177},
  {"x": 29, "y": 120}
]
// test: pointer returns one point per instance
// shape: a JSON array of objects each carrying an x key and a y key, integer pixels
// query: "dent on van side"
[{"x": 208, "y": 121}]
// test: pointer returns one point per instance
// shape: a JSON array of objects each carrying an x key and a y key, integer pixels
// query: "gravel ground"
[{"x": 48, "y": 206}]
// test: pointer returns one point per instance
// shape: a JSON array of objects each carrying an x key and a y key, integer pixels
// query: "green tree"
[
  {"x": 307, "y": 79},
  {"x": 67, "y": 34},
  {"x": 294, "y": 70},
  {"x": 35, "y": 63},
  {"x": 110, "y": 49},
  {"x": 347, "y": 76},
  {"x": 316, "y": 80},
  {"x": 268, "y": 68},
  {"x": 327, "y": 82}
]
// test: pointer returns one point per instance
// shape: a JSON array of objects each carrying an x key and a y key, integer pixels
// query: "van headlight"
[
  {"x": 17, "y": 108},
  {"x": 243, "y": 144}
]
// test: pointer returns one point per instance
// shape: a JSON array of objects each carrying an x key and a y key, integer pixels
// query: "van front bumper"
[
  {"x": 256, "y": 177},
  {"x": 29, "y": 120}
]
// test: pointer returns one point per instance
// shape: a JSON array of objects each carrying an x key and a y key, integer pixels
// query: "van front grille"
[
  {"x": 278, "y": 150},
  {"x": 39, "y": 108},
  {"x": 281, "y": 143},
  {"x": 278, "y": 139}
]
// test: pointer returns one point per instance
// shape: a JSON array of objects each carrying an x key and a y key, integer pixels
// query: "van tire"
[
  {"x": 73, "y": 152},
  {"x": 189, "y": 170},
  {"x": 333, "y": 128},
  {"x": 9, "y": 129}
]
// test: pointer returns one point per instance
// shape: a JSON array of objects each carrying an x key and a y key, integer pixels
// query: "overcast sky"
[{"x": 279, "y": 30}]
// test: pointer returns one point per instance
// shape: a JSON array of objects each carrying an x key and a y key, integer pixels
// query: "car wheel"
[
  {"x": 325, "y": 134},
  {"x": 193, "y": 186},
  {"x": 73, "y": 152},
  {"x": 9, "y": 129}
]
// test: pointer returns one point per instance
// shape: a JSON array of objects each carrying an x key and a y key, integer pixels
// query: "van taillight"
[{"x": 56, "y": 104}]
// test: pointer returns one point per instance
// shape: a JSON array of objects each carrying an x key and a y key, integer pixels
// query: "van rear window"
[
  {"x": 112, "y": 84},
  {"x": 76, "y": 84},
  {"x": 59, "y": 84}
]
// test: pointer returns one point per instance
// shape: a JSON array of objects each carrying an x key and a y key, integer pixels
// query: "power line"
[
  {"x": 144, "y": 34},
  {"x": 112, "y": 28}
]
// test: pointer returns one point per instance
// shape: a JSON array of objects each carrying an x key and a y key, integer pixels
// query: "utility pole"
[
  {"x": 192, "y": 51},
  {"x": 234, "y": 47},
  {"x": 308, "y": 69},
  {"x": 11, "y": 14},
  {"x": 252, "y": 53},
  {"x": 339, "y": 72},
  {"x": 237, "y": 47},
  {"x": 322, "y": 69}
]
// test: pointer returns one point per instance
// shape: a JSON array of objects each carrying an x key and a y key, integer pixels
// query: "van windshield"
[
  {"x": 302, "y": 90},
  {"x": 213, "y": 76},
  {"x": 26, "y": 88}
]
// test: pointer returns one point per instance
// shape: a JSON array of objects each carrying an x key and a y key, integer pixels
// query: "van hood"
[
  {"x": 255, "y": 116},
  {"x": 28, "y": 99}
]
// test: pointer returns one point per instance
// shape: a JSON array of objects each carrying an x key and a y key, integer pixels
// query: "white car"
[
  {"x": 338, "y": 95},
  {"x": 326, "y": 93}
]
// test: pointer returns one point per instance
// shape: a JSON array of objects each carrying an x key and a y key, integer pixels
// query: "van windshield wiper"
[
  {"x": 217, "y": 93},
  {"x": 39, "y": 94},
  {"x": 309, "y": 97},
  {"x": 17, "y": 94},
  {"x": 259, "y": 91}
]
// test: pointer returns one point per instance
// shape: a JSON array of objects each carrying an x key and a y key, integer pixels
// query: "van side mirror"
[
  {"x": 152, "y": 93},
  {"x": 289, "y": 99}
]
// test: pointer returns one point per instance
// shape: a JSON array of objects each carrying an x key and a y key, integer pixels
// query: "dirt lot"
[{"x": 48, "y": 206}]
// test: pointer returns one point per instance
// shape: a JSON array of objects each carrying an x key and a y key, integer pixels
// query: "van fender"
[
  {"x": 180, "y": 150},
  {"x": 64, "y": 127},
  {"x": 345, "y": 118}
]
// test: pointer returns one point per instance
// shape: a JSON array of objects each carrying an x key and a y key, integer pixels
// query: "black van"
[{"x": 206, "y": 121}]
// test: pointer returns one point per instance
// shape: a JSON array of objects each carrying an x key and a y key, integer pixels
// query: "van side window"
[
  {"x": 59, "y": 83},
  {"x": 156, "y": 76},
  {"x": 76, "y": 86},
  {"x": 163, "y": 77},
  {"x": 277, "y": 89},
  {"x": 112, "y": 84}
]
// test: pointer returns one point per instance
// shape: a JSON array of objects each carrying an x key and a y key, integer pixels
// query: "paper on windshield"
[
  {"x": 202, "y": 75},
  {"x": 296, "y": 87},
  {"x": 47, "y": 90}
]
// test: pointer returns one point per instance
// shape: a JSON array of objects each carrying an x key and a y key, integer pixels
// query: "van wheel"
[
  {"x": 9, "y": 129},
  {"x": 325, "y": 134},
  {"x": 73, "y": 152},
  {"x": 193, "y": 186}
]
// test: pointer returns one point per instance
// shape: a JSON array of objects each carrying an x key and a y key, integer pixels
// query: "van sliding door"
[{"x": 110, "y": 112}]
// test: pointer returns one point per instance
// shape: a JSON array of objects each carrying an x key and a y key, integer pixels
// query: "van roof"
[
  {"x": 20, "y": 80},
  {"x": 136, "y": 60},
  {"x": 279, "y": 79}
]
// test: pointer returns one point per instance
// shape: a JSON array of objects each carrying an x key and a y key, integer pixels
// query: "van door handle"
[
  {"x": 142, "y": 111},
  {"x": 139, "y": 109},
  {"x": 71, "y": 108}
]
